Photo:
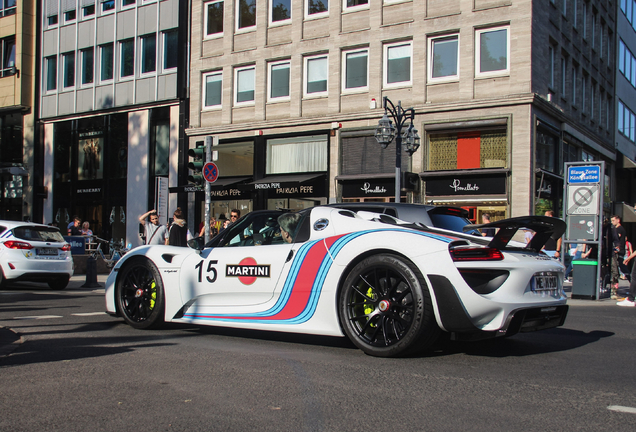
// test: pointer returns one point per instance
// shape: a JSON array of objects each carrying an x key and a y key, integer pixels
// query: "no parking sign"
[{"x": 210, "y": 172}]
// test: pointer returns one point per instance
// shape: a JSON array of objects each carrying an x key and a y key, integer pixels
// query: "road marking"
[
  {"x": 37, "y": 317},
  {"x": 89, "y": 313},
  {"x": 623, "y": 409}
]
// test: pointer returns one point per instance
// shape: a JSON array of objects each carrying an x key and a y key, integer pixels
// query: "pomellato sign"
[
  {"x": 368, "y": 188},
  {"x": 466, "y": 185}
]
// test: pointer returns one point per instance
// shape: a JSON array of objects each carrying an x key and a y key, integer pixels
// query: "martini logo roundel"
[{"x": 247, "y": 271}]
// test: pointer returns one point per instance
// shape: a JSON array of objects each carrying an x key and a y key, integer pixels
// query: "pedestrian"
[
  {"x": 629, "y": 300},
  {"x": 75, "y": 229},
  {"x": 178, "y": 234},
  {"x": 625, "y": 273},
  {"x": 86, "y": 229},
  {"x": 527, "y": 234},
  {"x": 552, "y": 244},
  {"x": 222, "y": 221},
  {"x": 618, "y": 235},
  {"x": 213, "y": 230},
  {"x": 576, "y": 252},
  {"x": 487, "y": 232},
  {"x": 154, "y": 233},
  {"x": 234, "y": 215}
]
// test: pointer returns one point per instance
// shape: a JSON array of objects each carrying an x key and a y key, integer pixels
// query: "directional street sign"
[
  {"x": 583, "y": 199},
  {"x": 584, "y": 174},
  {"x": 210, "y": 172}
]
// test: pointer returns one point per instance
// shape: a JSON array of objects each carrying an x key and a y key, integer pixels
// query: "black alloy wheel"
[
  {"x": 139, "y": 294},
  {"x": 385, "y": 307}
]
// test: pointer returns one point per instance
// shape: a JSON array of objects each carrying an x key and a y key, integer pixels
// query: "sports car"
[{"x": 390, "y": 286}]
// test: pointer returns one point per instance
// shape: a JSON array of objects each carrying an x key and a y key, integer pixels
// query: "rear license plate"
[
  {"x": 545, "y": 281},
  {"x": 47, "y": 251}
]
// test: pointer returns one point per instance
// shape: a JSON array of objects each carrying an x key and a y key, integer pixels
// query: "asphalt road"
[{"x": 73, "y": 368}]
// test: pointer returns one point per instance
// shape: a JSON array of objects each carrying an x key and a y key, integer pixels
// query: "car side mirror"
[{"x": 197, "y": 243}]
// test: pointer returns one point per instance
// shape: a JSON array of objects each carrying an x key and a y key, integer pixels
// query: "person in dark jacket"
[{"x": 179, "y": 233}]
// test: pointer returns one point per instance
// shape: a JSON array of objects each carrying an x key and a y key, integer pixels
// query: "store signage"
[
  {"x": 383, "y": 187},
  {"x": 89, "y": 190},
  {"x": 466, "y": 185}
]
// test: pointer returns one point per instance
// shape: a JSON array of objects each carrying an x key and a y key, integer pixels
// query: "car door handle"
[{"x": 290, "y": 256}]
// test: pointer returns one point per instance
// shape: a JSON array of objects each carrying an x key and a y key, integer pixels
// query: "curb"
[{"x": 10, "y": 340}]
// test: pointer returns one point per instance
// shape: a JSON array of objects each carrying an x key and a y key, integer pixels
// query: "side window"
[{"x": 254, "y": 230}]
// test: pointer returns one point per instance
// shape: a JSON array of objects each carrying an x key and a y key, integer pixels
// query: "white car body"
[
  {"x": 299, "y": 287},
  {"x": 34, "y": 252}
]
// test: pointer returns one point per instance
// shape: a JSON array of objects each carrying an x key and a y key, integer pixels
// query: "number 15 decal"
[{"x": 209, "y": 270}]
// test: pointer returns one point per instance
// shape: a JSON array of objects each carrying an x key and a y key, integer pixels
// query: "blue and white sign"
[{"x": 584, "y": 174}]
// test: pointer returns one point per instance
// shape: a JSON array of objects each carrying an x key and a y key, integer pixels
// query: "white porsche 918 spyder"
[{"x": 388, "y": 285}]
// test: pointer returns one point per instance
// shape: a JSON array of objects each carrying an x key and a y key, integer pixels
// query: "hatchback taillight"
[
  {"x": 476, "y": 254},
  {"x": 66, "y": 247},
  {"x": 14, "y": 244}
]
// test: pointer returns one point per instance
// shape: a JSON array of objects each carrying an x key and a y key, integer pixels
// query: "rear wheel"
[
  {"x": 59, "y": 283},
  {"x": 139, "y": 294},
  {"x": 385, "y": 307}
]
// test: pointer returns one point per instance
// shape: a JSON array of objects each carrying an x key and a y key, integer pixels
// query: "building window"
[
  {"x": 70, "y": 16},
  {"x": 244, "y": 85},
  {"x": 397, "y": 64},
  {"x": 213, "y": 19},
  {"x": 68, "y": 60},
  {"x": 125, "y": 3},
  {"x": 574, "y": 84},
  {"x": 564, "y": 7},
  {"x": 87, "y": 66},
  {"x": 245, "y": 14},
  {"x": 492, "y": 52},
  {"x": 212, "y": 89},
  {"x": 552, "y": 65},
  {"x": 584, "y": 19},
  {"x": 51, "y": 20},
  {"x": 106, "y": 62},
  {"x": 88, "y": 10},
  {"x": 148, "y": 53},
  {"x": 464, "y": 150},
  {"x": 51, "y": 73},
  {"x": 356, "y": 4},
  {"x": 626, "y": 122},
  {"x": 563, "y": 76},
  {"x": 127, "y": 57},
  {"x": 170, "y": 49},
  {"x": 316, "y": 8},
  {"x": 355, "y": 70},
  {"x": 8, "y": 56},
  {"x": 316, "y": 75},
  {"x": 297, "y": 154},
  {"x": 584, "y": 93},
  {"x": 7, "y": 7},
  {"x": 278, "y": 78},
  {"x": 108, "y": 5},
  {"x": 443, "y": 62},
  {"x": 279, "y": 11},
  {"x": 575, "y": 12}
]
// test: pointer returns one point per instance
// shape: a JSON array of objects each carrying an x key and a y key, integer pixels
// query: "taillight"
[
  {"x": 66, "y": 247},
  {"x": 14, "y": 244},
  {"x": 476, "y": 254}
]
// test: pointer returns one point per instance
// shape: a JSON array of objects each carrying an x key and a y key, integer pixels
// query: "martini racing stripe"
[{"x": 299, "y": 297}]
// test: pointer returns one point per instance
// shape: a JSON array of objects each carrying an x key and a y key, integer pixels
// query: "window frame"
[
  {"x": 83, "y": 53},
  {"x": 316, "y": 15},
  {"x": 142, "y": 54},
  {"x": 270, "y": 15},
  {"x": 68, "y": 73},
  {"x": 499, "y": 72},
  {"x": 352, "y": 90},
  {"x": 431, "y": 53},
  {"x": 8, "y": 11},
  {"x": 85, "y": 12},
  {"x": 385, "y": 64},
  {"x": 103, "y": 3},
  {"x": 359, "y": 7},
  {"x": 120, "y": 44},
  {"x": 164, "y": 52},
  {"x": 128, "y": 6},
  {"x": 237, "y": 71},
  {"x": 66, "y": 15},
  {"x": 306, "y": 60},
  {"x": 7, "y": 69},
  {"x": 47, "y": 71},
  {"x": 271, "y": 65},
  {"x": 205, "y": 75},
  {"x": 111, "y": 45},
  {"x": 246, "y": 29},
  {"x": 205, "y": 20}
]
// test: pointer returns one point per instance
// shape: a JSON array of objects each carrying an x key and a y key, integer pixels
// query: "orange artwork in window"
[{"x": 468, "y": 150}]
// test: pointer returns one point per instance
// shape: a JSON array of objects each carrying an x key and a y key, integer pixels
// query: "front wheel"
[
  {"x": 139, "y": 294},
  {"x": 385, "y": 307}
]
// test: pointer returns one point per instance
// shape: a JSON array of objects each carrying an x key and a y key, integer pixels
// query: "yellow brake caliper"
[
  {"x": 368, "y": 305},
  {"x": 153, "y": 294}
]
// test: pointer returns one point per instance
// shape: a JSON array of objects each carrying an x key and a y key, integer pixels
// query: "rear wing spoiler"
[{"x": 545, "y": 227}]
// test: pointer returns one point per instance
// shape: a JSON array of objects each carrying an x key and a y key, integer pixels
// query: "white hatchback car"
[{"x": 34, "y": 252}]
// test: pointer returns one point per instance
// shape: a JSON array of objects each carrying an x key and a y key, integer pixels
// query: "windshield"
[
  {"x": 37, "y": 233},
  {"x": 451, "y": 222}
]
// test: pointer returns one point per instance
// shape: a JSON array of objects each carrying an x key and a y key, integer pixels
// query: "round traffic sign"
[{"x": 210, "y": 172}]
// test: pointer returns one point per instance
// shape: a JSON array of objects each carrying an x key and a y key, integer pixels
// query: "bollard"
[{"x": 91, "y": 274}]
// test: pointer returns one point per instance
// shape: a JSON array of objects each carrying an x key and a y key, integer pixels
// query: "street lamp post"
[{"x": 385, "y": 133}]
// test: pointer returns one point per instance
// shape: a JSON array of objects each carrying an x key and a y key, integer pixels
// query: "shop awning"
[
  {"x": 224, "y": 182},
  {"x": 220, "y": 184},
  {"x": 628, "y": 163}
]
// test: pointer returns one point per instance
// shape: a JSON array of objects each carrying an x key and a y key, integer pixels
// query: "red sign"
[{"x": 210, "y": 172}]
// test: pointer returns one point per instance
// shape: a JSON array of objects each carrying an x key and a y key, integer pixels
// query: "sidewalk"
[{"x": 623, "y": 290}]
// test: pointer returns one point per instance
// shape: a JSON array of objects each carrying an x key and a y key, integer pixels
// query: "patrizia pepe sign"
[{"x": 466, "y": 185}]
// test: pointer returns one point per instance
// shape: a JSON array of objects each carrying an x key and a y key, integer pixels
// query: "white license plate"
[
  {"x": 47, "y": 251},
  {"x": 545, "y": 281}
]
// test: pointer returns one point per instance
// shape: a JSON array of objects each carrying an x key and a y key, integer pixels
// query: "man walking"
[
  {"x": 155, "y": 234},
  {"x": 618, "y": 235}
]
